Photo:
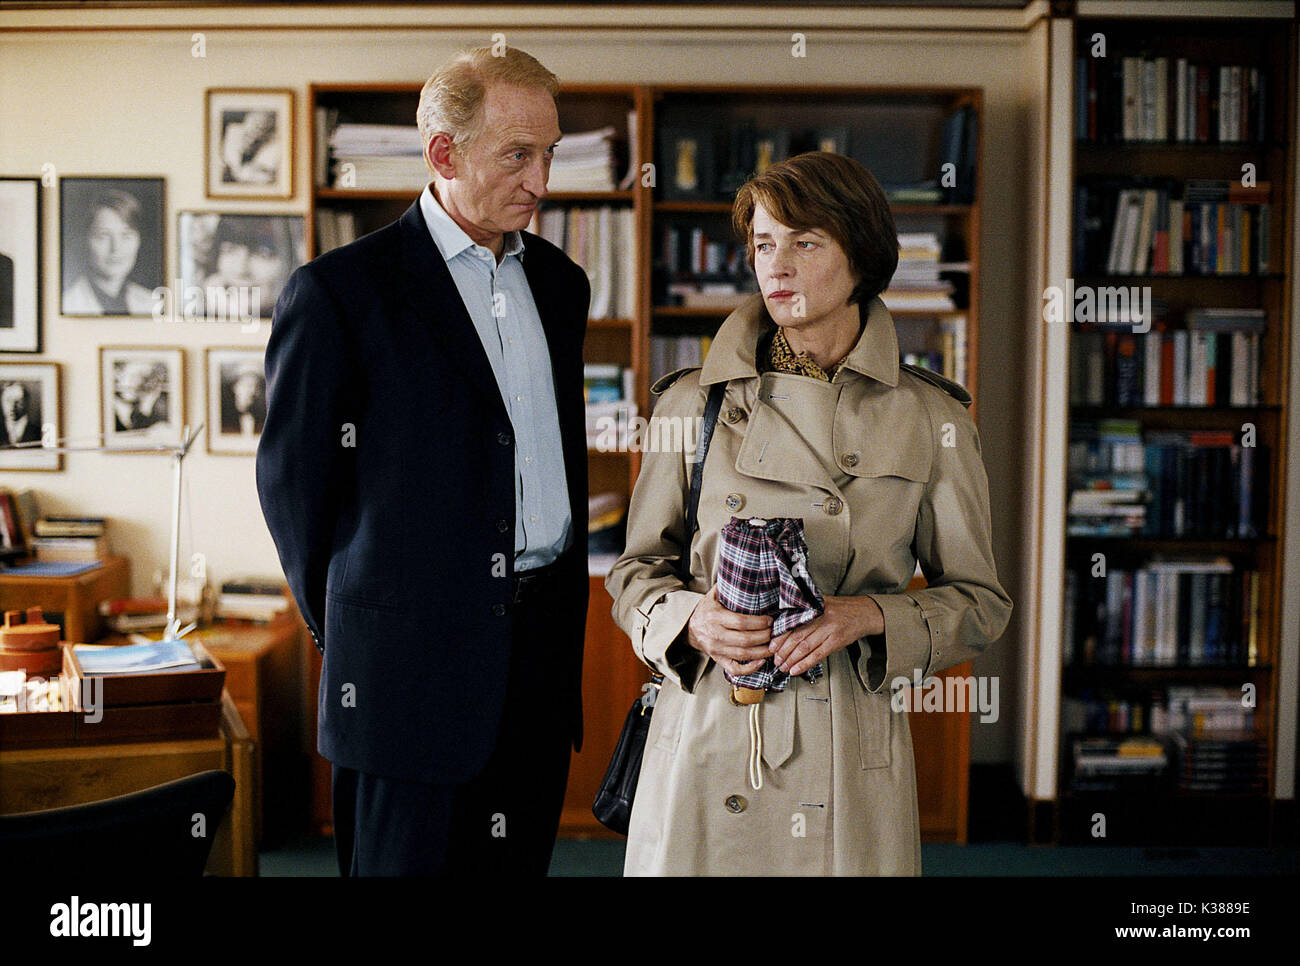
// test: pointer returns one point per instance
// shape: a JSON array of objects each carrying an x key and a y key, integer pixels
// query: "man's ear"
[{"x": 438, "y": 155}]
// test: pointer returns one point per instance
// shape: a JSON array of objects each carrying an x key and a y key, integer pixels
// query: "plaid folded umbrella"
[{"x": 763, "y": 569}]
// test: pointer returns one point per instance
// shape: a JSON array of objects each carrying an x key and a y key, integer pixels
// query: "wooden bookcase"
[
  {"x": 1109, "y": 687},
  {"x": 897, "y": 132}
]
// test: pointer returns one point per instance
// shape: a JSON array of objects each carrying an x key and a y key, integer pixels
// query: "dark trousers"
[{"x": 501, "y": 822}]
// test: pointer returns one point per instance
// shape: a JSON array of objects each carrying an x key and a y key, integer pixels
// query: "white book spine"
[
  {"x": 1151, "y": 369},
  {"x": 1180, "y": 368}
]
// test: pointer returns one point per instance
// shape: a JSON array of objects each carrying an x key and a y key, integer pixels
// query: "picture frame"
[
  {"x": 20, "y": 264},
  {"x": 111, "y": 245},
  {"x": 236, "y": 398},
  {"x": 770, "y": 147},
  {"x": 232, "y": 267},
  {"x": 834, "y": 139},
  {"x": 31, "y": 412},
  {"x": 249, "y": 142},
  {"x": 141, "y": 396}
]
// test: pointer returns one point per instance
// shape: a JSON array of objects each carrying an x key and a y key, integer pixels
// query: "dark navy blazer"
[{"x": 386, "y": 472}]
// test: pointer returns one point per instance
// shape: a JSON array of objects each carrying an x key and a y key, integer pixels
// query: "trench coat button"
[
  {"x": 503, "y": 526},
  {"x": 503, "y": 439},
  {"x": 735, "y": 804},
  {"x": 734, "y": 415},
  {"x": 833, "y": 506},
  {"x": 850, "y": 459},
  {"x": 499, "y": 610},
  {"x": 735, "y": 501}
]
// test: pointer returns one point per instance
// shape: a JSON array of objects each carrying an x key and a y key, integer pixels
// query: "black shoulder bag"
[{"x": 613, "y": 805}]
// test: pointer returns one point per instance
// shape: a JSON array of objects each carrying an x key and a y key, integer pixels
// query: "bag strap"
[{"x": 711, "y": 409}]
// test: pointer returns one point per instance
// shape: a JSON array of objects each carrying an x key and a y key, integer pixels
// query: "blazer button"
[
  {"x": 503, "y": 526},
  {"x": 735, "y": 501},
  {"x": 734, "y": 415},
  {"x": 503, "y": 439},
  {"x": 499, "y": 610},
  {"x": 834, "y": 505},
  {"x": 850, "y": 459},
  {"x": 735, "y": 804}
]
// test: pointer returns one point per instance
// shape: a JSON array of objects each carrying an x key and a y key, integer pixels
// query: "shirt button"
[
  {"x": 850, "y": 459},
  {"x": 528, "y": 459},
  {"x": 735, "y": 804},
  {"x": 734, "y": 415},
  {"x": 499, "y": 610},
  {"x": 503, "y": 439},
  {"x": 735, "y": 501},
  {"x": 503, "y": 526},
  {"x": 533, "y": 519},
  {"x": 834, "y": 505}
]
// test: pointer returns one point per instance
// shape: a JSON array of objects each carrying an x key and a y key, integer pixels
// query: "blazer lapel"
[{"x": 434, "y": 300}]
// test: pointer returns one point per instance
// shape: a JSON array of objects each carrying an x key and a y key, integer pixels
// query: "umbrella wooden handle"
[{"x": 744, "y": 696}]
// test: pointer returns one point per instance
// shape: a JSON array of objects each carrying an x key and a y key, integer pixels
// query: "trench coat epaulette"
[
  {"x": 663, "y": 382},
  {"x": 954, "y": 389}
]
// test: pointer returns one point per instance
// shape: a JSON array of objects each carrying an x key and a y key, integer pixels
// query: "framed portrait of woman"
[
  {"x": 142, "y": 395},
  {"x": 232, "y": 267},
  {"x": 249, "y": 142},
  {"x": 236, "y": 377},
  {"x": 110, "y": 245},
  {"x": 29, "y": 415},
  {"x": 20, "y": 265}
]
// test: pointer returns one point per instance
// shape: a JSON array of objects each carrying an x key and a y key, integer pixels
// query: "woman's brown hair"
[{"x": 831, "y": 193}]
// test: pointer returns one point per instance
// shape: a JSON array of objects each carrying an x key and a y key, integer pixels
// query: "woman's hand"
[
  {"x": 845, "y": 620},
  {"x": 737, "y": 642}
]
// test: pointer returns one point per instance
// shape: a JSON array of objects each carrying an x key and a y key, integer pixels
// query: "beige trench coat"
[{"x": 863, "y": 462}]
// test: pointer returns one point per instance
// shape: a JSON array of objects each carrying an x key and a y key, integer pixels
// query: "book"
[{"x": 172, "y": 655}]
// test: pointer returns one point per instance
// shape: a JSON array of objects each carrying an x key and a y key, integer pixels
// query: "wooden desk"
[
  {"x": 32, "y": 779},
  {"x": 72, "y": 601}
]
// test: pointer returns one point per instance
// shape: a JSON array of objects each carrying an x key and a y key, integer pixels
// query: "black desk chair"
[{"x": 154, "y": 832}]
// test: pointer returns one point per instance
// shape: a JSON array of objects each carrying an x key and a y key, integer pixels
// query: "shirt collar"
[
  {"x": 450, "y": 237},
  {"x": 733, "y": 352}
]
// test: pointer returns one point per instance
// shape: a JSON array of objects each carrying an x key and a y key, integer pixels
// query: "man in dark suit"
[{"x": 422, "y": 471}]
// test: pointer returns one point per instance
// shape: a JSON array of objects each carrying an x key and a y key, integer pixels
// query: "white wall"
[{"x": 130, "y": 102}]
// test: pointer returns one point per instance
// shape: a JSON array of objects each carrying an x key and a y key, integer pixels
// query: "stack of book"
[
  {"x": 606, "y": 530},
  {"x": 1214, "y": 732},
  {"x": 1188, "y": 613},
  {"x": 1206, "y": 484},
  {"x": 584, "y": 161},
  {"x": 603, "y": 242},
  {"x": 252, "y": 598},
  {"x": 916, "y": 285},
  {"x": 128, "y": 615},
  {"x": 1108, "y": 479},
  {"x": 946, "y": 349},
  {"x": 63, "y": 539},
  {"x": 1107, "y": 763},
  {"x": 378, "y": 157},
  {"x": 1142, "y": 98}
]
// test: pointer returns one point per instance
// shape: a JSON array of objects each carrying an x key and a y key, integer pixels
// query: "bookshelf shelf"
[{"x": 1168, "y": 596}]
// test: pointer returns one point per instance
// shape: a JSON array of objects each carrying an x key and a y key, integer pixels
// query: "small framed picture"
[
  {"x": 249, "y": 143},
  {"x": 111, "y": 245},
  {"x": 770, "y": 146},
  {"x": 232, "y": 267},
  {"x": 142, "y": 395},
  {"x": 236, "y": 398},
  {"x": 29, "y": 415},
  {"x": 20, "y": 265}
]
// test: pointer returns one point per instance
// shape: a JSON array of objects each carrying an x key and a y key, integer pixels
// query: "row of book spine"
[
  {"x": 1137, "y": 97},
  {"x": 1178, "y": 368},
  {"x": 1185, "y": 613},
  {"x": 1205, "y": 227},
  {"x": 602, "y": 240}
]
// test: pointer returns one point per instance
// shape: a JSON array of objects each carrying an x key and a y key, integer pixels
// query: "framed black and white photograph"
[
  {"x": 29, "y": 415},
  {"x": 249, "y": 143},
  {"x": 20, "y": 265},
  {"x": 142, "y": 395},
  {"x": 232, "y": 267},
  {"x": 236, "y": 399},
  {"x": 110, "y": 245}
]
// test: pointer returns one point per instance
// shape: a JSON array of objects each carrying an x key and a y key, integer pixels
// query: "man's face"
[
  {"x": 14, "y": 401},
  {"x": 501, "y": 175}
]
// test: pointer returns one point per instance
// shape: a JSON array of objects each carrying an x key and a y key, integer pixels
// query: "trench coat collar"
[{"x": 732, "y": 354}]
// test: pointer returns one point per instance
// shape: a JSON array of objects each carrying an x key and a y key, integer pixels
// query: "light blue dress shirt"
[{"x": 515, "y": 344}]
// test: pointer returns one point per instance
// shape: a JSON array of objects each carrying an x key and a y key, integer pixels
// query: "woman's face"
[
  {"x": 251, "y": 266},
  {"x": 113, "y": 246},
  {"x": 804, "y": 274}
]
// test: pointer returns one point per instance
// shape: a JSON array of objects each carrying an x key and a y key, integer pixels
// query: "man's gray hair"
[{"x": 452, "y": 99}]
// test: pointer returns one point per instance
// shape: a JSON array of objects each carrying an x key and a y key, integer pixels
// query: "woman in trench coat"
[{"x": 882, "y": 463}]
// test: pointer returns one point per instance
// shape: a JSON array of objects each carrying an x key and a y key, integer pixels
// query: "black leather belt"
[{"x": 530, "y": 584}]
